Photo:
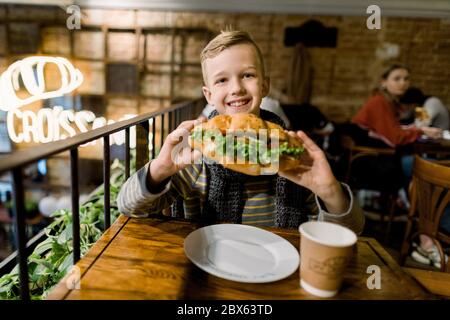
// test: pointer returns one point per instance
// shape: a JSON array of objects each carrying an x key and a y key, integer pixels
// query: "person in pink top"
[
  {"x": 377, "y": 123},
  {"x": 381, "y": 114}
]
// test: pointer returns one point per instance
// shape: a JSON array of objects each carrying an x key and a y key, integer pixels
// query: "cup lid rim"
[{"x": 353, "y": 238}]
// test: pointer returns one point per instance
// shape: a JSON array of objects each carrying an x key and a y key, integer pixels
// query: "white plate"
[{"x": 241, "y": 253}]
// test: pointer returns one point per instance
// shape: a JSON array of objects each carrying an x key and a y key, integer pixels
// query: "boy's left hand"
[{"x": 316, "y": 175}]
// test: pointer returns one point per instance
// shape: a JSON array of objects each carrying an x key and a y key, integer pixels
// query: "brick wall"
[{"x": 343, "y": 76}]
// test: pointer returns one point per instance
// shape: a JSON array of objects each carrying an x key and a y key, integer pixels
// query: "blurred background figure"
[
  {"x": 381, "y": 114},
  {"x": 380, "y": 119},
  {"x": 312, "y": 121},
  {"x": 428, "y": 111}
]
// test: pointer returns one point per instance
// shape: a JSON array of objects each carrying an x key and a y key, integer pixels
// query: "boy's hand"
[
  {"x": 175, "y": 154},
  {"x": 318, "y": 177}
]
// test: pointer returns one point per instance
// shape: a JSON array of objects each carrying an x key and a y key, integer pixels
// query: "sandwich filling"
[{"x": 244, "y": 146}]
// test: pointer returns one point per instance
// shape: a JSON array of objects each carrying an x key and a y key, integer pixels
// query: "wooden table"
[
  {"x": 439, "y": 146},
  {"x": 144, "y": 259},
  {"x": 434, "y": 281}
]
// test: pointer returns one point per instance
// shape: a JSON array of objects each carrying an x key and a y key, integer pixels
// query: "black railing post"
[
  {"x": 162, "y": 130},
  {"x": 153, "y": 137},
  {"x": 127, "y": 153},
  {"x": 170, "y": 121},
  {"x": 21, "y": 237},
  {"x": 176, "y": 119},
  {"x": 75, "y": 204},
  {"x": 142, "y": 130},
  {"x": 106, "y": 176}
]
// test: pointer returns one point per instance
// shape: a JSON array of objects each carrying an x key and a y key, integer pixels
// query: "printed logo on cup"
[{"x": 331, "y": 267}]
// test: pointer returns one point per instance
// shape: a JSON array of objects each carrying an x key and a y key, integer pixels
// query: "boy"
[{"x": 235, "y": 81}]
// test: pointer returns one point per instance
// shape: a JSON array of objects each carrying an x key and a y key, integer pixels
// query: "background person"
[
  {"x": 435, "y": 113},
  {"x": 380, "y": 115}
]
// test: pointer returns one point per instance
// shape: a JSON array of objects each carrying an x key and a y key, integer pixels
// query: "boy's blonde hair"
[{"x": 227, "y": 39}]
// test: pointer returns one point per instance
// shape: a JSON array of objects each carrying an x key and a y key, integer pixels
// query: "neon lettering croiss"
[{"x": 57, "y": 124}]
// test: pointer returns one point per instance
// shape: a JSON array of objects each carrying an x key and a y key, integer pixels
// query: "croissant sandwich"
[{"x": 245, "y": 143}]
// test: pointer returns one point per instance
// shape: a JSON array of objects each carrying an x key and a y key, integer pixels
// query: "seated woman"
[
  {"x": 377, "y": 124},
  {"x": 380, "y": 117},
  {"x": 381, "y": 114}
]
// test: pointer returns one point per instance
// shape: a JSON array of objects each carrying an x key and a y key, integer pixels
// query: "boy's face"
[{"x": 235, "y": 83}]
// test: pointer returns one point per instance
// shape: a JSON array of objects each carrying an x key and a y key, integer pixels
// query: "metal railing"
[{"x": 20, "y": 159}]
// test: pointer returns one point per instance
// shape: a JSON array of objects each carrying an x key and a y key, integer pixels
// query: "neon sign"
[
  {"x": 31, "y": 70},
  {"x": 48, "y": 124}
]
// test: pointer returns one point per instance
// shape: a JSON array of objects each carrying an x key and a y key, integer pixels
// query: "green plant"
[{"x": 53, "y": 257}]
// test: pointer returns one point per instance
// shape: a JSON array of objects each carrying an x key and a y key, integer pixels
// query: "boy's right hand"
[{"x": 175, "y": 154}]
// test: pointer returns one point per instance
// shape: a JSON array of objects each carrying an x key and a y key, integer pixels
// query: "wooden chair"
[
  {"x": 429, "y": 195},
  {"x": 388, "y": 198},
  {"x": 355, "y": 152}
]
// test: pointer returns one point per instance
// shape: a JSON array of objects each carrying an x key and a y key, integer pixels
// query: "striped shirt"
[{"x": 135, "y": 200}]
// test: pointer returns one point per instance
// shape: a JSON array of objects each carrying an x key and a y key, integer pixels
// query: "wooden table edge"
[
  {"x": 431, "y": 280},
  {"x": 404, "y": 277},
  {"x": 62, "y": 290}
]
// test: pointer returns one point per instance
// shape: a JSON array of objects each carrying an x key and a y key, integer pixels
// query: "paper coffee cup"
[{"x": 325, "y": 250}]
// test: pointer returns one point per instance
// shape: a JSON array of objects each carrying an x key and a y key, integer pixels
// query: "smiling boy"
[
  {"x": 235, "y": 82},
  {"x": 234, "y": 78}
]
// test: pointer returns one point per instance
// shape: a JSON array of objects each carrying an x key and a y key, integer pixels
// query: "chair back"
[
  {"x": 430, "y": 194},
  {"x": 372, "y": 168},
  {"x": 370, "y": 157}
]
